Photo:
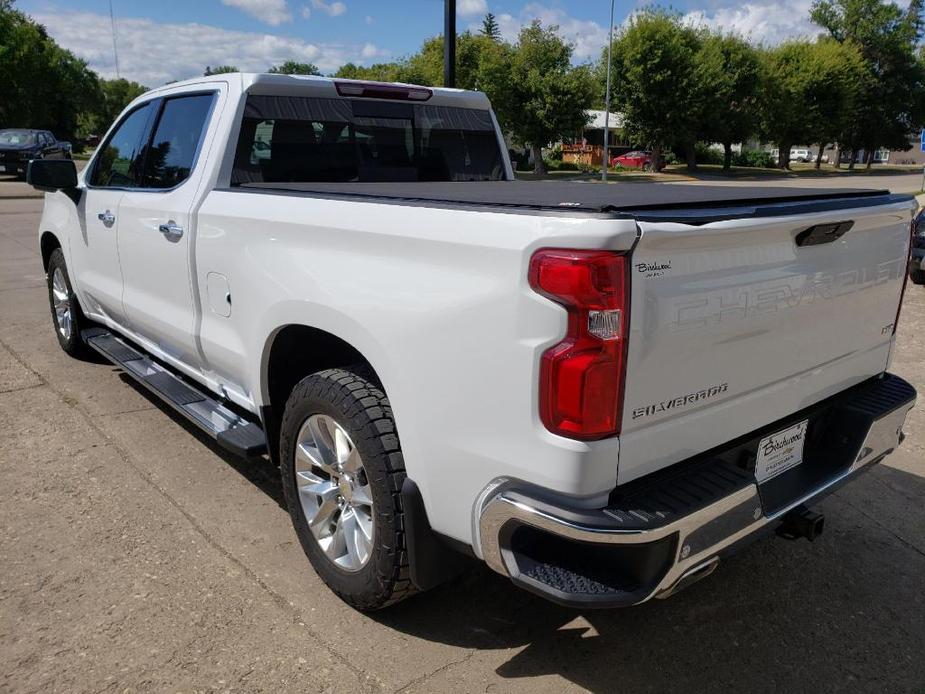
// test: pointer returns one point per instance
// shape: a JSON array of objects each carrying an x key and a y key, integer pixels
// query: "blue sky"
[{"x": 174, "y": 39}]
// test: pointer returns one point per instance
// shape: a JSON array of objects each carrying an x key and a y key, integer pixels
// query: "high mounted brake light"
[
  {"x": 581, "y": 377},
  {"x": 375, "y": 90}
]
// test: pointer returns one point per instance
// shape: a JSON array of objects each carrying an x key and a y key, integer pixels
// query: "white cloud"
[
  {"x": 588, "y": 37},
  {"x": 144, "y": 55},
  {"x": 273, "y": 12},
  {"x": 369, "y": 19},
  {"x": 468, "y": 8},
  {"x": 371, "y": 50},
  {"x": 332, "y": 9},
  {"x": 306, "y": 11},
  {"x": 761, "y": 22}
]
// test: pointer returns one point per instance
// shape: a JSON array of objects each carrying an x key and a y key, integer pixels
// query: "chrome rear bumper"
[{"x": 626, "y": 554}]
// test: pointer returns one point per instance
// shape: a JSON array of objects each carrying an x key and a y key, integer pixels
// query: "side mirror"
[{"x": 52, "y": 174}]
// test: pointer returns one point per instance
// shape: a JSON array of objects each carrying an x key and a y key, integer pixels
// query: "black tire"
[
  {"x": 917, "y": 276},
  {"x": 71, "y": 342},
  {"x": 360, "y": 407}
]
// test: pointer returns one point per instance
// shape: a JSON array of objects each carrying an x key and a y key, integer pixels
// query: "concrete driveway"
[{"x": 135, "y": 556}]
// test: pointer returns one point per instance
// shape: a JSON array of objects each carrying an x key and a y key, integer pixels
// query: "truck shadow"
[{"x": 841, "y": 613}]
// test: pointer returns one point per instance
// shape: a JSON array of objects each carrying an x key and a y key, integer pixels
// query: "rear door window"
[
  {"x": 175, "y": 143},
  {"x": 304, "y": 139}
]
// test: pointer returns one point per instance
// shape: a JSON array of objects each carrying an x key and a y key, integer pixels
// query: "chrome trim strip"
[{"x": 883, "y": 437}]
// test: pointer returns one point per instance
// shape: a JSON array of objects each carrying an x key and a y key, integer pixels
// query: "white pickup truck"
[{"x": 599, "y": 390}]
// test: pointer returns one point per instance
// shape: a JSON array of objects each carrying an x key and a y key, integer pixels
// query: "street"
[{"x": 137, "y": 556}]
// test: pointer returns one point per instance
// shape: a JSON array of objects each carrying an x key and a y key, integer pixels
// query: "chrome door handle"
[
  {"x": 107, "y": 218},
  {"x": 171, "y": 230}
]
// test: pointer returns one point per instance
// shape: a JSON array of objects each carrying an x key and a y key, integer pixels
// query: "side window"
[
  {"x": 43, "y": 141},
  {"x": 121, "y": 155},
  {"x": 177, "y": 135}
]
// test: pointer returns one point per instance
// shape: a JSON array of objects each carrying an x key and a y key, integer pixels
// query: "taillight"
[{"x": 581, "y": 378}]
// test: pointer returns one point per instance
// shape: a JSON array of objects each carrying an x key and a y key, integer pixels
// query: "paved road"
[{"x": 134, "y": 556}]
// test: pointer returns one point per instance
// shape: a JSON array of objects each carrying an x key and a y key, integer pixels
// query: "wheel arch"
[
  {"x": 293, "y": 351},
  {"x": 48, "y": 242}
]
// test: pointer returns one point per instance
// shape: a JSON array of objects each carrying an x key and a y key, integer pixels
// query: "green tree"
[
  {"x": 426, "y": 66},
  {"x": 41, "y": 84},
  {"x": 117, "y": 94},
  {"x": 810, "y": 91},
  {"x": 892, "y": 102},
  {"x": 380, "y": 72},
  {"x": 536, "y": 92},
  {"x": 291, "y": 67},
  {"x": 220, "y": 70},
  {"x": 730, "y": 69},
  {"x": 490, "y": 27},
  {"x": 657, "y": 83}
]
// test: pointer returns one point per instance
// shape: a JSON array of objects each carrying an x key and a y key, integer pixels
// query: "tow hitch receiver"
[{"x": 801, "y": 522}]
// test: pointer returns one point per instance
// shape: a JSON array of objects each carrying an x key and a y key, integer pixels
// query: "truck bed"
[{"x": 693, "y": 204}]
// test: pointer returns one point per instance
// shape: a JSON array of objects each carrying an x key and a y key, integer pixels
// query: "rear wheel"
[
  {"x": 917, "y": 276},
  {"x": 342, "y": 471},
  {"x": 65, "y": 311}
]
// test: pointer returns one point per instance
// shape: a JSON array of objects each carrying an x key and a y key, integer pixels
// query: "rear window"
[{"x": 302, "y": 139}]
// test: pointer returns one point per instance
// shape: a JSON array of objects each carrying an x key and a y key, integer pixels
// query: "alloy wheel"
[
  {"x": 334, "y": 492},
  {"x": 62, "y": 303}
]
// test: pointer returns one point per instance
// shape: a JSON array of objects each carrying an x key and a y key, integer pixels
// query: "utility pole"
[
  {"x": 449, "y": 43},
  {"x": 115, "y": 51},
  {"x": 606, "y": 162}
]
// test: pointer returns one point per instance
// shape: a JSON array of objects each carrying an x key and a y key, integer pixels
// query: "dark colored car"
[
  {"x": 19, "y": 145},
  {"x": 637, "y": 159},
  {"x": 917, "y": 262}
]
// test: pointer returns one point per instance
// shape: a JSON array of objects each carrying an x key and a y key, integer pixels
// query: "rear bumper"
[{"x": 660, "y": 533}]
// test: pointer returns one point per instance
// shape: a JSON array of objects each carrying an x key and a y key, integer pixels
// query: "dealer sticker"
[{"x": 781, "y": 451}]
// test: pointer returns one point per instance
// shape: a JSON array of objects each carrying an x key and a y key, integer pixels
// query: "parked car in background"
[
  {"x": 799, "y": 154},
  {"x": 92, "y": 140},
  {"x": 917, "y": 259},
  {"x": 637, "y": 159},
  {"x": 19, "y": 145}
]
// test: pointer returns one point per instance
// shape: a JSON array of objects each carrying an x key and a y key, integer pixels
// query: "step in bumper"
[{"x": 672, "y": 529}]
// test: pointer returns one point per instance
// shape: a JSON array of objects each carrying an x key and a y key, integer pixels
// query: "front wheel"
[
  {"x": 343, "y": 470},
  {"x": 917, "y": 276},
  {"x": 66, "y": 315}
]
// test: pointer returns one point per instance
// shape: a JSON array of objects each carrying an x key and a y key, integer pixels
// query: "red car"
[{"x": 637, "y": 159}]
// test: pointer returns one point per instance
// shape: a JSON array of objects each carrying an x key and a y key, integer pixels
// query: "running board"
[{"x": 230, "y": 431}]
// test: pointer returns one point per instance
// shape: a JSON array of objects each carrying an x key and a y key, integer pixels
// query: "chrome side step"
[{"x": 230, "y": 431}]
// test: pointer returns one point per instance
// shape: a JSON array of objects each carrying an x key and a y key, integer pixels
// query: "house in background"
[{"x": 589, "y": 147}]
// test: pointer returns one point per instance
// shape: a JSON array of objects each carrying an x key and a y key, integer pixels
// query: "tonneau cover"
[{"x": 585, "y": 196}]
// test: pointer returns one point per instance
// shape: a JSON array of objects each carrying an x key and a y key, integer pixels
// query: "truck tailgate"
[{"x": 737, "y": 322}]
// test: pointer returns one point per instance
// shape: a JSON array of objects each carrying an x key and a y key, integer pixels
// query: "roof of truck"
[
  {"x": 314, "y": 85},
  {"x": 656, "y": 200}
]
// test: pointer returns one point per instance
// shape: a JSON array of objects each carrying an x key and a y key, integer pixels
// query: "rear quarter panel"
[{"x": 437, "y": 300}]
